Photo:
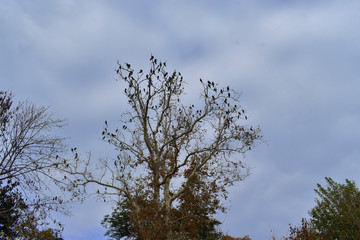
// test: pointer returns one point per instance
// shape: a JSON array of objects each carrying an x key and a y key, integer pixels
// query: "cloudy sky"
[{"x": 295, "y": 62}]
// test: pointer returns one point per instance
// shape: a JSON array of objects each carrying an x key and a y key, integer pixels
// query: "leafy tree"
[
  {"x": 11, "y": 207},
  {"x": 337, "y": 213},
  {"x": 193, "y": 217},
  {"x": 118, "y": 223},
  {"x": 163, "y": 145},
  {"x": 194, "y": 213},
  {"x": 306, "y": 231},
  {"x": 19, "y": 220}
]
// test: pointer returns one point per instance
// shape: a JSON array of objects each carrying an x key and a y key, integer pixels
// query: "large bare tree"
[{"x": 165, "y": 146}]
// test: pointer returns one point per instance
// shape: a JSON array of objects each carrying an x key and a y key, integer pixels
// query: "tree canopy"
[
  {"x": 164, "y": 146},
  {"x": 337, "y": 213},
  {"x": 335, "y": 216}
]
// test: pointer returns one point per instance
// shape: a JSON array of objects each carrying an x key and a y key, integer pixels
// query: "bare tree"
[
  {"x": 163, "y": 145},
  {"x": 29, "y": 149}
]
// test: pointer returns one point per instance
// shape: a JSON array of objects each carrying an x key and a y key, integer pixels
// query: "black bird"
[
  {"x": 201, "y": 80},
  {"x": 128, "y": 65},
  {"x": 228, "y": 88}
]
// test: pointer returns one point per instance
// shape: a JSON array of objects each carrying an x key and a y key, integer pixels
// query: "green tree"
[
  {"x": 118, "y": 224},
  {"x": 162, "y": 144},
  {"x": 306, "y": 231},
  {"x": 19, "y": 220},
  {"x": 337, "y": 213}
]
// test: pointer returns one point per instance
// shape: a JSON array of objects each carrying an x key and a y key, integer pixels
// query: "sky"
[{"x": 295, "y": 62}]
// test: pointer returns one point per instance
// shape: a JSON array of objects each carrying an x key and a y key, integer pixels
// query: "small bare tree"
[{"x": 163, "y": 145}]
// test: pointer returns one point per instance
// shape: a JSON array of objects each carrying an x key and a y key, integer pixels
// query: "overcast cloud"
[{"x": 295, "y": 62}]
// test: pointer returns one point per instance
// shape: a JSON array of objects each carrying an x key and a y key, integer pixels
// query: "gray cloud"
[{"x": 295, "y": 63}]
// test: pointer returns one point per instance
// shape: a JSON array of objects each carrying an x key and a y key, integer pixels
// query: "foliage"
[
  {"x": 192, "y": 217},
  {"x": 163, "y": 145},
  {"x": 227, "y": 237},
  {"x": 337, "y": 213},
  {"x": 306, "y": 231},
  {"x": 11, "y": 207},
  {"x": 19, "y": 220},
  {"x": 194, "y": 213},
  {"x": 118, "y": 223}
]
